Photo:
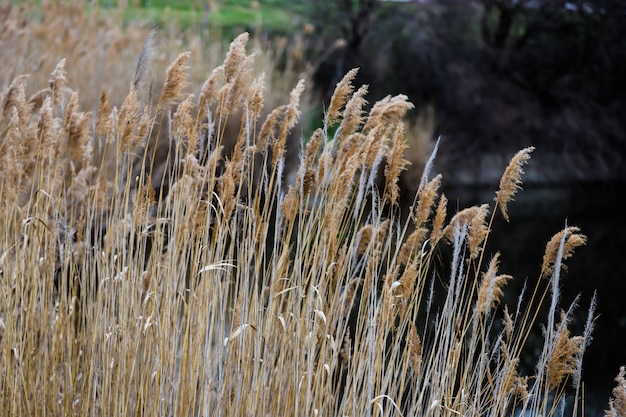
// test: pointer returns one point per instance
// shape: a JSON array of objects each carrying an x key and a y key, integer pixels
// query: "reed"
[{"x": 205, "y": 284}]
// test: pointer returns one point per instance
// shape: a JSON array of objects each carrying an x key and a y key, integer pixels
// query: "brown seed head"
[
  {"x": 353, "y": 115},
  {"x": 563, "y": 357},
  {"x": 128, "y": 120},
  {"x": 79, "y": 133},
  {"x": 12, "y": 94},
  {"x": 343, "y": 90},
  {"x": 414, "y": 242},
  {"x": 573, "y": 239},
  {"x": 415, "y": 348},
  {"x": 184, "y": 128},
  {"x": 12, "y": 158},
  {"x": 507, "y": 323},
  {"x": 290, "y": 119},
  {"x": 306, "y": 173},
  {"x": 290, "y": 204},
  {"x": 239, "y": 86},
  {"x": 255, "y": 97},
  {"x": 57, "y": 82},
  {"x": 475, "y": 218},
  {"x": 490, "y": 290},
  {"x": 71, "y": 107},
  {"x": 364, "y": 236},
  {"x": 175, "y": 81},
  {"x": 267, "y": 133},
  {"x": 395, "y": 165},
  {"x": 407, "y": 280},
  {"x": 388, "y": 112},
  {"x": 102, "y": 127},
  {"x": 617, "y": 404},
  {"x": 511, "y": 180},
  {"x": 478, "y": 231},
  {"x": 235, "y": 57},
  {"x": 145, "y": 198},
  {"x": 210, "y": 88},
  {"x": 426, "y": 196},
  {"x": 439, "y": 220},
  {"x": 46, "y": 131},
  {"x": 508, "y": 374}
]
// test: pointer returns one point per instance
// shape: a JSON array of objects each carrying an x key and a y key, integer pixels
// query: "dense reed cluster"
[{"x": 205, "y": 282}]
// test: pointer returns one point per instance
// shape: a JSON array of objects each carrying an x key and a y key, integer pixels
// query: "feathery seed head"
[
  {"x": 175, "y": 81},
  {"x": 128, "y": 120},
  {"x": 144, "y": 199},
  {"x": 255, "y": 97},
  {"x": 490, "y": 291},
  {"x": 617, "y": 403},
  {"x": 46, "y": 129},
  {"x": 71, "y": 107},
  {"x": 364, "y": 238},
  {"x": 426, "y": 199},
  {"x": 353, "y": 114},
  {"x": 343, "y": 90},
  {"x": 475, "y": 218},
  {"x": 57, "y": 82},
  {"x": 210, "y": 88},
  {"x": 235, "y": 57},
  {"x": 292, "y": 113},
  {"x": 145, "y": 59},
  {"x": 102, "y": 127},
  {"x": 439, "y": 220},
  {"x": 563, "y": 356},
  {"x": 11, "y": 97},
  {"x": 511, "y": 180},
  {"x": 414, "y": 242},
  {"x": 573, "y": 239},
  {"x": 239, "y": 86},
  {"x": 395, "y": 165},
  {"x": 415, "y": 348},
  {"x": 306, "y": 172},
  {"x": 184, "y": 128},
  {"x": 389, "y": 111}
]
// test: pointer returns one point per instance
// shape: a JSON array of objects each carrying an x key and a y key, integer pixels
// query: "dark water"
[{"x": 539, "y": 212}]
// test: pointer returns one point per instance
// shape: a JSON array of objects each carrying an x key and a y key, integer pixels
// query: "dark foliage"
[{"x": 501, "y": 74}]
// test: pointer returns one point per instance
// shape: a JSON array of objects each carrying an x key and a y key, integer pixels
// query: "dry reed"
[{"x": 229, "y": 289}]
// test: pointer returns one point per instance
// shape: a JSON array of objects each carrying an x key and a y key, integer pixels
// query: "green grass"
[{"x": 276, "y": 16}]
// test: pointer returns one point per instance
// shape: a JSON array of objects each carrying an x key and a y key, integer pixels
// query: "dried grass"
[
  {"x": 222, "y": 287},
  {"x": 617, "y": 403}
]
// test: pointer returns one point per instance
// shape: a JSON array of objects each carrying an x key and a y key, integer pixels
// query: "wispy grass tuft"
[
  {"x": 511, "y": 180},
  {"x": 200, "y": 281}
]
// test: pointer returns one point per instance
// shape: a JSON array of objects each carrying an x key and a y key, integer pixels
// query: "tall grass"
[
  {"x": 205, "y": 284},
  {"x": 103, "y": 47}
]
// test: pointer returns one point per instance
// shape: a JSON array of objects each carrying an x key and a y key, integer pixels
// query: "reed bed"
[{"x": 209, "y": 283}]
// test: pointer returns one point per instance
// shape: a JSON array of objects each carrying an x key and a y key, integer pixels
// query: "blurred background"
[{"x": 488, "y": 77}]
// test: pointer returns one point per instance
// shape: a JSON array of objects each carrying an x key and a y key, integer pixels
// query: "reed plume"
[
  {"x": 57, "y": 82},
  {"x": 490, "y": 290},
  {"x": 144, "y": 62},
  {"x": 175, "y": 81},
  {"x": 562, "y": 361},
  {"x": 10, "y": 99},
  {"x": 511, "y": 181},
  {"x": 572, "y": 239},
  {"x": 341, "y": 95},
  {"x": 395, "y": 165},
  {"x": 617, "y": 403}
]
